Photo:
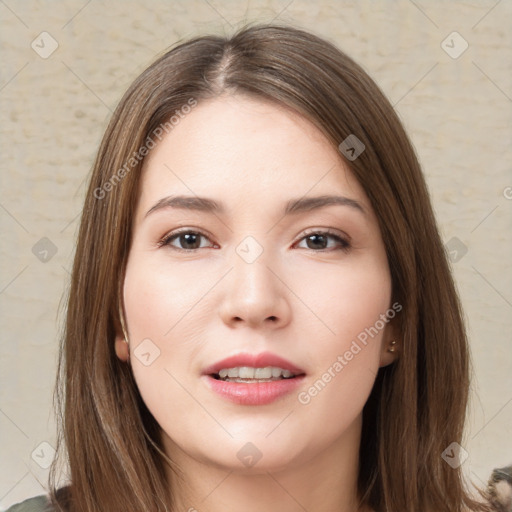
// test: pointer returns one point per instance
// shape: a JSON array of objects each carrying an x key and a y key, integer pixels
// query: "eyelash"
[{"x": 168, "y": 238}]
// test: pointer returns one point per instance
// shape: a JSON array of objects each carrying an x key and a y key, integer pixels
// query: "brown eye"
[
  {"x": 188, "y": 240},
  {"x": 319, "y": 241}
]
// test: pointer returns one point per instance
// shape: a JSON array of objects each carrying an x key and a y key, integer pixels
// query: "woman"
[{"x": 261, "y": 314}]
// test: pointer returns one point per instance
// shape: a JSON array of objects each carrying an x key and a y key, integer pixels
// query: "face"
[{"x": 255, "y": 330}]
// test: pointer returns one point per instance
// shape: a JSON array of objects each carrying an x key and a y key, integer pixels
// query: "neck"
[{"x": 325, "y": 482}]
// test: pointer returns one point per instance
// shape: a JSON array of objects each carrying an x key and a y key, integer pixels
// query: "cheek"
[
  {"x": 344, "y": 302},
  {"x": 163, "y": 298},
  {"x": 350, "y": 304},
  {"x": 168, "y": 319}
]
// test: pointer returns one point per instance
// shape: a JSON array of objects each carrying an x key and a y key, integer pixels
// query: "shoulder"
[{"x": 36, "y": 504}]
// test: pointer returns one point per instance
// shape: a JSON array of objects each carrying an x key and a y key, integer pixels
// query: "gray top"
[{"x": 36, "y": 504}]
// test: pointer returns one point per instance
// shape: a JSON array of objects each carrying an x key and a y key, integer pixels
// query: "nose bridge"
[
  {"x": 254, "y": 293},
  {"x": 250, "y": 272}
]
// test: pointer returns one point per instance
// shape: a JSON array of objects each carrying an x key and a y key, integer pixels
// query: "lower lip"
[{"x": 254, "y": 393}]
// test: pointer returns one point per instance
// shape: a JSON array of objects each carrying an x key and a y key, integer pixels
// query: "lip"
[{"x": 255, "y": 393}]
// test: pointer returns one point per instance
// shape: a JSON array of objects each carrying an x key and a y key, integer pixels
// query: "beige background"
[{"x": 54, "y": 110}]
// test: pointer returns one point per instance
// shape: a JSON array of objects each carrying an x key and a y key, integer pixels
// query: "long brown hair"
[{"x": 418, "y": 404}]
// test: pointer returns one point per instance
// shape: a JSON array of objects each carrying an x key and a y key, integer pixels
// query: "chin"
[{"x": 253, "y": 459}]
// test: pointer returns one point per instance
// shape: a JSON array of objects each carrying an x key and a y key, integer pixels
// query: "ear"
[
  {"x": 391, "y": 343},
  {"x": 122, "y": 348},
  {"x": 121, "y": 345}
]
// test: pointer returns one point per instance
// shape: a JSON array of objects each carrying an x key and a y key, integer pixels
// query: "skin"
[{"x": 254, "y": 156}]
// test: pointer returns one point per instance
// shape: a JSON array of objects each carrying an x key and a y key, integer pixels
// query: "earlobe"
[
  {"x": 122, "y": 346},
  {"x": 389, "y": 352},
  {"x": 391, "y": 344},
  {"x": 122, "y": 349}
]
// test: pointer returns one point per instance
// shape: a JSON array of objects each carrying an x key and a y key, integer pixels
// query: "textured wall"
[{"x": 455, "y": 102}]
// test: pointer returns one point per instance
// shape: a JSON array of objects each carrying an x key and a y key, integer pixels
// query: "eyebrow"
[{"x": 293, "y": 206}]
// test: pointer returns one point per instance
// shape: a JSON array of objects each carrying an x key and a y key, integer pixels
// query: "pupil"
[
  {"x": 187, "y": 237},
  {"x": 315, "y": 238}
]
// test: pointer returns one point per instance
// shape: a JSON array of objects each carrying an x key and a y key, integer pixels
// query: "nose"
[{"x": 255, "y": 293}]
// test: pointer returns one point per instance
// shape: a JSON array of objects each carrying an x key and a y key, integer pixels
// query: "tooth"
[
  {"x": 233, "y": 372},
  {"x": 246, "y": 372},
  {"x": 263, "y": 373},
  {"x": 276, "y": 372}
]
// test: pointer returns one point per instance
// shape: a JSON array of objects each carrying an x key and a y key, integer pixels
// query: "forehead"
[{"x": 247, "y": 151}]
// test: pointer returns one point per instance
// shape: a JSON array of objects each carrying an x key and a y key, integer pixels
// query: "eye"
[
  {"x": 318, "y": 241},
  {"x": 188, "y": 238}
]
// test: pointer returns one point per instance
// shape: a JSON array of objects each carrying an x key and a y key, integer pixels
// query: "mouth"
[
  {"x": 248, "y": 374},
  {"x": 247, "y": 379}
]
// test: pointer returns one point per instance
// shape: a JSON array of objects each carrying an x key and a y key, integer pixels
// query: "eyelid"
[
  {"x": 326, "y": 231},
  {"x": 162, "y": 242},
  {"x": 346, "y": 241}
]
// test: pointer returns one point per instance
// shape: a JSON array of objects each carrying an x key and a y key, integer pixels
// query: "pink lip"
[{"x": 256, "y": 393}]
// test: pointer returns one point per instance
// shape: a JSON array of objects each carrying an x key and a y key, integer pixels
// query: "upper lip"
[{"x": 253, "y": 360}]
